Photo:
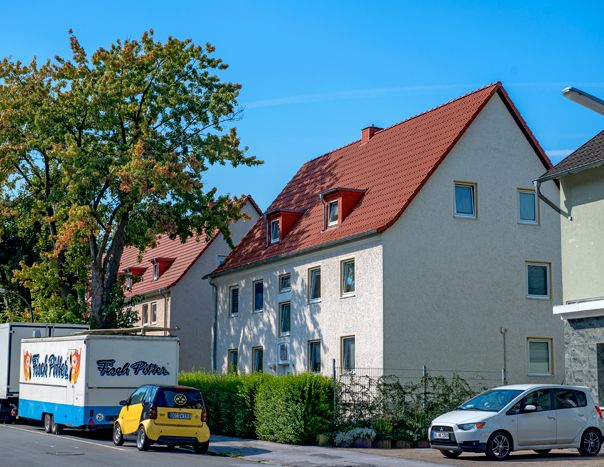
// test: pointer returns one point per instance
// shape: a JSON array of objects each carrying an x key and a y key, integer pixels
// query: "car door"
[
  {"x": 570, "y": 414},
  {"x": 131, "y": 413},
  {"x": 538, "y": 427}
]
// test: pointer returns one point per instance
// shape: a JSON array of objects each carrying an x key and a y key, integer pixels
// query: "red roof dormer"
[
  {"x": 160, "y": 265},
  {"x": 279, "y": 223},
  {"x": 338, "y": 203}
]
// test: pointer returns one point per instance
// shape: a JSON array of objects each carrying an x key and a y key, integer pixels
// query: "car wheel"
[
  {"x": 542, "y": 452},
  {"x": 118, "y": 437},
  {"x": 591, "y": 442},
  {"x": 499, "y": 446},
  {"x": 57, "y": 428},
  {"x": 47, "y": 422},
  {"x": 452, "y": 454},
  {"x": 201, "y": 448},
  {"x": 142, "y": 442}
]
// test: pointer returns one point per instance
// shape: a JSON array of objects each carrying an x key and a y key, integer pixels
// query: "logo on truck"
[
  {"x": 74, "y": 358},
  {"x": 52, "y": 366},
  {"x": 108, "y": 368},
  {"x": 27, "y": 366}
]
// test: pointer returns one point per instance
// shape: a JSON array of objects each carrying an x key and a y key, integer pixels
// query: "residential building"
[
  {"x": 420, "y": 244},
  {"x": 581, "y": 179},
  {"x": 169, "y": 289}
]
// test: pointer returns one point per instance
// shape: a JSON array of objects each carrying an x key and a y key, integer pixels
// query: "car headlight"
[{"x": 471, "y": 426}]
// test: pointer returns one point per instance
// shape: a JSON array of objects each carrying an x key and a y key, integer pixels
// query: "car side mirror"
[
  {"x": 529, "y": 408},
  {"x": 123, "y": 403}
]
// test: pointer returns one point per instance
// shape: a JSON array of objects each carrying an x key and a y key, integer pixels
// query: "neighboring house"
[
  {"x": 170, "y": 290},
  {"x": 420, "y": 244},
  {"x": 581, "y": 178}
]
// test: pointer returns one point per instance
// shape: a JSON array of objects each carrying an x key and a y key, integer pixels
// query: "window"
[
  {"x": 538, "y": 280},
  {"x": 258, "y": 297},
  {"x": 145, "y": 317},
  {"x": 284, "y": 318},
  {"x": 155, "y": 271},
  {"x": 285, "y": 283},
  {"x": 347, "y": 353},
  {"x": 332, "y": 213},
  {"x": 347, "y": 278},
  {"x": 233, "y": 361},
  {"x": 233, "y": 301},
  {"x": 154, "y": 313},
  {"x": 465, "y": 200},
  {"x": 314, "y": 356},
  {"x": 275, "y": 231},
  {"x": 527, "y": 207},
  {"x": 220, "y": 259},
  {"x": 539, "y": 356},
  {"x": 138, "y": 395},
  {"x": 128, "y": 282},
  {"x": 569, "y": 399},
  {"x": 257, "y": 359},
  {"x": 314, "y": 284},
  {"x": 541, "y": 399}
]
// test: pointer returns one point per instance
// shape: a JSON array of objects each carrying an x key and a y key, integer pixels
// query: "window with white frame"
[
  {"x": 527, "y": 207},
  {"x": 234, "y": 301},
  {"x": 332, "y": 213},
  {"x": 275, "y": 235},
  {"x": 257, "y": 359},
  {"x": 285, "y": 283},
  {"x": 347, "y": 278},
  {"x": 314, "y": 284},
  {"x": 154, "y": 313},
  {"x": 285, "y": 317},
  {"x": 258, "y": 296},
  {"x": 465, "y": 200},
  {"x": 347, "y": 352},
  {"x": 539, "y": 356},
  {"x": 155, "y": 271},
  {"x": 314, "y": 356},
  {"x": 129, "y": 281},
  {"x": 538, "y": 280}
]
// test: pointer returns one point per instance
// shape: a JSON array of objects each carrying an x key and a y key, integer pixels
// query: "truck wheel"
[
  {"x": 201, "y": 448},
  {"x": 118, "y": 437},
  {"x": 142, "y": 442},
  {"x": 57, "y": 428},
  {"x": 48, "y": 422}
]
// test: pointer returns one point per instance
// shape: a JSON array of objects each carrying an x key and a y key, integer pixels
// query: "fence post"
[
  {"x": 425, "y": 381},
  {"x": 334, "y": 393}
]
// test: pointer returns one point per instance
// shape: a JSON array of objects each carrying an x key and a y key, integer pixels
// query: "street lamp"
[
  {"x": 6, "y": 291},
  {"x": 587, "y": 100}
]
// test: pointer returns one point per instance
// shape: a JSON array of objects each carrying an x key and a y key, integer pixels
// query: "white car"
[{"x": 524, "y": 416}]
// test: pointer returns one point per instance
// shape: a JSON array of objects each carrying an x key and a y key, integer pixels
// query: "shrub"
[{"x": 345, "y": 439}]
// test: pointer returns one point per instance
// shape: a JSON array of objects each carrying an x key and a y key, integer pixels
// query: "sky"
[{"x": 314, "y": 73}]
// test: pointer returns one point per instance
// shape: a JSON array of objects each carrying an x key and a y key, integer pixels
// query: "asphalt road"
[{"x": 25, "y": 445}]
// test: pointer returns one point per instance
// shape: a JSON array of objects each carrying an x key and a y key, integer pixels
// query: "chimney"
[{"x": 367, "y": 133}]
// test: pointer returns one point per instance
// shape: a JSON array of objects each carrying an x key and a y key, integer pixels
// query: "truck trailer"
[
  {"x": 78, "y": 381},
  {"x": 10, "y": 361}
]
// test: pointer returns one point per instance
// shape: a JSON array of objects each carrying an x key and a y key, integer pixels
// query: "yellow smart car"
[{"x": 170, "y": 415}]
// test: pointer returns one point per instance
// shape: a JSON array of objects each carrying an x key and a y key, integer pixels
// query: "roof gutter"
[
  {"x": 551, "y": 204},
  {"x": 311, "y": 249}
]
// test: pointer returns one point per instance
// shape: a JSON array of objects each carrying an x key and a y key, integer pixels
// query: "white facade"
[{"x": 434, "y": 289}]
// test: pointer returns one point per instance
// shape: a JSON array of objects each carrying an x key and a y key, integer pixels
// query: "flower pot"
[
  {"x": 362, "y": 443},
  {"x": 382, "y": 444}
]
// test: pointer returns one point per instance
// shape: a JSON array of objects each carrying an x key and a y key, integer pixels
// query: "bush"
[{"x": 347, "y": 438}]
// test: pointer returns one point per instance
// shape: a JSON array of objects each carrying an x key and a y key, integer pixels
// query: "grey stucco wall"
[
  {"x": 451, "y": 284},
  {"x": 582, "y": 195}
]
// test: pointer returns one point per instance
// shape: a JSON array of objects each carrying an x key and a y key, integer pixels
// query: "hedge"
[{"x": 286, "y": 409}]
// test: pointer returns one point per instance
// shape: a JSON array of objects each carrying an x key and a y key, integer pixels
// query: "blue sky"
[{"x": 314, "y": 73}]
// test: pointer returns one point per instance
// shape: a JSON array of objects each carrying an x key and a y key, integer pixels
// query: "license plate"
[
  {"x": 440, "y": 435},
  {"x": 179, "y": 415}
]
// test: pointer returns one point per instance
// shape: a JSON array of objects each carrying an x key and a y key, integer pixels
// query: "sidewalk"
[{"x": 284, "y": 454}]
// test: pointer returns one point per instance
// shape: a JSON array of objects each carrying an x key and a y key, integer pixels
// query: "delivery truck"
[
  {"x": 10, "y": 361},
  {"x": 78, "y": 381}
]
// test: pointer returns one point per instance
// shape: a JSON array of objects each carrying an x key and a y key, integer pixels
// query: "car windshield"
[
  {"x": 491, "y": 401},
  {"x": 179, "y": 398}
]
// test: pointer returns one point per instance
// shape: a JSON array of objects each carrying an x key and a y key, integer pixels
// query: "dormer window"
[
  {"x": 332, "y": 213},
  {"x": 155, "y": 271},
  {"x": 128, "y": 282},
  {"x": 275, "y": 231}
]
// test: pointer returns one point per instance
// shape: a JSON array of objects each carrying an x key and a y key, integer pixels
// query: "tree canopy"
[{"x": 102, "y": 151}]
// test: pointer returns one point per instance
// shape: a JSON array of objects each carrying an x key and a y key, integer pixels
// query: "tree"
[{"x": 110, "y": 150}]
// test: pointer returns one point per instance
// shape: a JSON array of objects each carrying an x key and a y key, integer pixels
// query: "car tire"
[
  {"x": 451, "y": 453},
  {"x": 542, "y": 452},
  {"x": 499, "y": 446},
  {"x": 118, "y": 436},
  {"x": 201, "y": 448},
  {"x": 591, "y": 443},
  {"x": 48, "y": 423},
  {"x": 57, "y": 428},
  {"x": 142, "y": 442}
]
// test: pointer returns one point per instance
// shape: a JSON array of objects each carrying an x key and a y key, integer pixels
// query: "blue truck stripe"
[{"x": 69, "y": 415}]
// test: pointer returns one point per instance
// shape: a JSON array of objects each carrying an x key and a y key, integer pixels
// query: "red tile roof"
[
  {"x": 183, "y": 254},
  {"x": 392, "y": 167}
]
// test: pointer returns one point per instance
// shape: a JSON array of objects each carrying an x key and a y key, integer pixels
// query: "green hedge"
[{"x": 286, "y": 409}]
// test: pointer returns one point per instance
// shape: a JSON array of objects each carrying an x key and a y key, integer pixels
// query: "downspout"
[
  {"x": 537, "y": 184},
  {"x": 214, "y": 324},
  {"x": 166, "y": 297}
]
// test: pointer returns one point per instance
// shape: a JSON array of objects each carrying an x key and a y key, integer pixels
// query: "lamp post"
[
  {"x": 6, "y": 292},
  {"x": 586, "y": 100}
]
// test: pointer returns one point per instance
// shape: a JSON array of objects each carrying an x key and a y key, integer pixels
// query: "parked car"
[
  {"x": 518, "y": 417},
  {"x": 170, "y": 415}
]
